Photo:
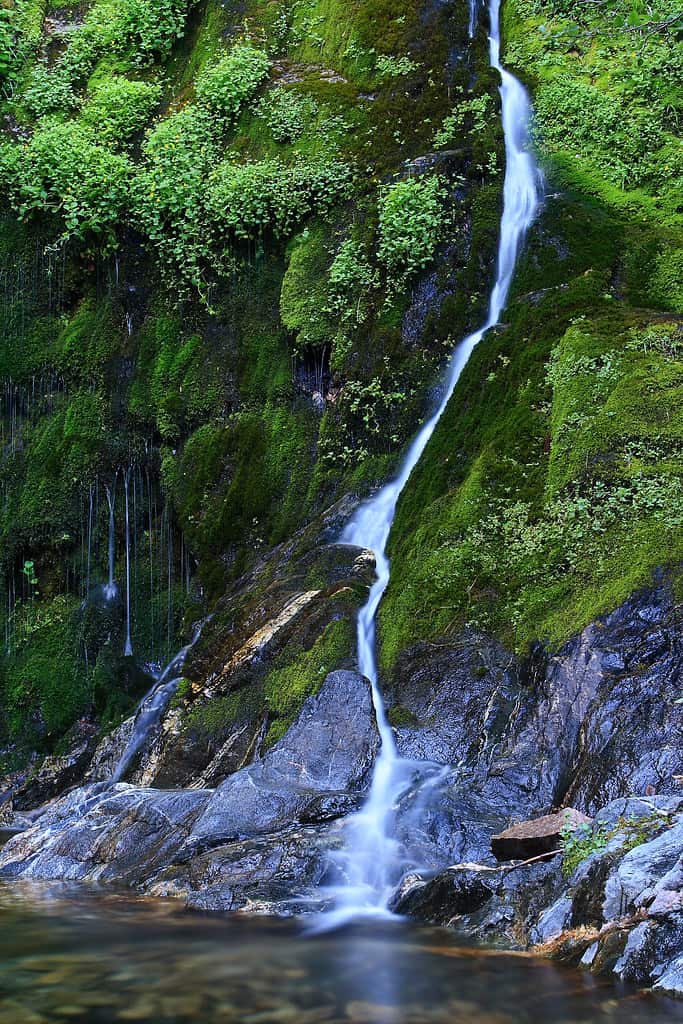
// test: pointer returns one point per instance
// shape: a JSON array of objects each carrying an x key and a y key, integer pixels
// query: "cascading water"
[
  {"x": 110, "y": 589},
  {"x": 128, "y": 647},
  {"x": 153, "y": 705},
  {"x": 372, "y": 861}
]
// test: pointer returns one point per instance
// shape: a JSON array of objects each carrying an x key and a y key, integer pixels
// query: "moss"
[{"x": 299, "y": 674}]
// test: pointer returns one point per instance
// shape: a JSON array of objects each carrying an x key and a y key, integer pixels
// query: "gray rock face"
[
  {"x": 236, "y": 846},
  {"x": 328, "y": 751},
  {"x": 636, "y": 880},
  {"x": 97, "y": 833},
  {"x": 594, "y": 723}
]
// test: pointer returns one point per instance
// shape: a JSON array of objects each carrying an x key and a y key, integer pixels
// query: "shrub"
[
  {"x": 410, "y": 223},
  {"x": 286, "y": 113},
  {"x": 64, "y": 171},
  {"x": 248, "y": 199},
  {"x": 169, "y": 189},
  {"x": 228, "y": 84},
  {"x": 48, "y": 91},
  {"x": 138, "y": 29},
  {"x": 118, "y": 108}
]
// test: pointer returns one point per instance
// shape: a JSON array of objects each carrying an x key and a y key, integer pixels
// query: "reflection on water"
[{"x": 73, "y": 954}]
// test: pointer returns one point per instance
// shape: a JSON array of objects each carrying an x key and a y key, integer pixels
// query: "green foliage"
[
  {"x": 411, "y": 220},
  {"x": 138, "y": 30},
  {"x": 476, "y": 111},
  {"x": 42, "y": 674},
  {"x": 287, "y": 113},
  {"x": 227, "y": 85},
  {"x": 118, "y": 108},
  {"x": 49, "y": 90},
  {"x": 578, "y": 844},
  {"x": 304, "y": 303},
  {"x": 390, "y": 67},
  {"x": 250, "y": 199},
  {"x": 63, "y": 170},
  {"x": 169, "y": 189}
]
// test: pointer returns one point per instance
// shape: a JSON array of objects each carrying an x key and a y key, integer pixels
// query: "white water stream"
[
  {"x": 372, "y": 862},
  {"x": 151, "y": 708}
]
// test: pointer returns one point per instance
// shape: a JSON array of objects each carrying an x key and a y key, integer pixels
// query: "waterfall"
[
  {"x": 128, "y": 648},
  {"x": 110, "y": 589},
  {"x": 371, "y": 862},
  {"x": 151, "y": 708}
]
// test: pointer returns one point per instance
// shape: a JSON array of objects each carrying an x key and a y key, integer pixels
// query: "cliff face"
[
  {"x": 237, "y": 245},
  {"x": 238, "y": 242}
]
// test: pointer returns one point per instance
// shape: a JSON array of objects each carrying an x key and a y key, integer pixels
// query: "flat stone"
[{"x": 536, "y": 836}]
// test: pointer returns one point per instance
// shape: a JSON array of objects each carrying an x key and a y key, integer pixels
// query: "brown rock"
[{"x": 536, "y": 837}]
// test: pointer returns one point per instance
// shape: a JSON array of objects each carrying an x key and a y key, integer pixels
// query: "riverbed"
[{"x": 70, "y": 953}]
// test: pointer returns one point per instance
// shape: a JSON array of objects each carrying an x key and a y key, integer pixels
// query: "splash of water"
[{"x": 372, "y": 861}]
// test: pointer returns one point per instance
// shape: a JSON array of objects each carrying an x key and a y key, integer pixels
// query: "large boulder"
[
  {"x": 328, "y": 751},
  {"x": 537, "y": 837},
  {"x": 254, "y": 840}
]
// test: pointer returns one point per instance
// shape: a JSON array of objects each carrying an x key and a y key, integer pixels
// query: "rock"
[
  {"x": 450, "y": 894},
  {"x": 639, "y": 871},
  {"x": 329, "y": 751},
  {"x": 536, "y": 837},
  {"x": 56, "y": 774},
  {"x": 273, "y": 872},
  {"x": 671, "y": 982},
  {"x": 120, "y": 834},
  {"x": 553, "y": 921},
  {"x": 234, "y": 847}
]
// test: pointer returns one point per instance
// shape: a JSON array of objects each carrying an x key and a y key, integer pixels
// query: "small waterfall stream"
[
  {"x": 372, "y": 861},
  {"x": 153, "y": 705}
]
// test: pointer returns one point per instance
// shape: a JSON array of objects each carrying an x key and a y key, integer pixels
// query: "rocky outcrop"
[
  {"x": 537, "y": 837},
  {"x": 267, "y": 825},
  {"x": 231, "y": 824},
  {"x": 619, "y": 913}
]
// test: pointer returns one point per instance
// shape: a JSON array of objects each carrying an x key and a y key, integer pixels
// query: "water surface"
[{"x": 75, "y": 954}]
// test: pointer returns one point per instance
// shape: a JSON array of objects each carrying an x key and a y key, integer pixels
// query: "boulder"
[
  {"x": 328, "y": 752},
  {"x": 451, "y": 894},
  {"x": 537, "y": 836}
]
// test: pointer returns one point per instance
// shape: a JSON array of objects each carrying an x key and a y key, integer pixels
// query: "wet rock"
[
  {"x": 633, "y": 883},
  {"x": 536, "y": 837},
  {"x": 553, "y": 921},
  {"x": 56, "y": 774},
  {"x": 98, "y": 833},
  {"x": 329, "y": 751},
  {"x": 671, "y": 982},
  {"x": 451, "y": 894},
  {"x": 274, "y": 872}
]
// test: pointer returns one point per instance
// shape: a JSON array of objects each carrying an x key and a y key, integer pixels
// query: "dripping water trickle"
[
  {"x": 128, "y": 648},
  {"x": 151, "y": 708},
  {"x": 373, "y": 861}
]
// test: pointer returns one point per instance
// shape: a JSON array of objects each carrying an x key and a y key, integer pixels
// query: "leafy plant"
[
  {"x": 250, "y": 199},
  {"x": 118, "y": 108},
  {"x": 286, "y": 112},
  {"x": 227, "y": 85},
  {"x": 411, "y": 220},
  {"x": 64, "y": 171},
  {"x": 49, "y": 90},
  {"x": 579, "y": 843}
]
